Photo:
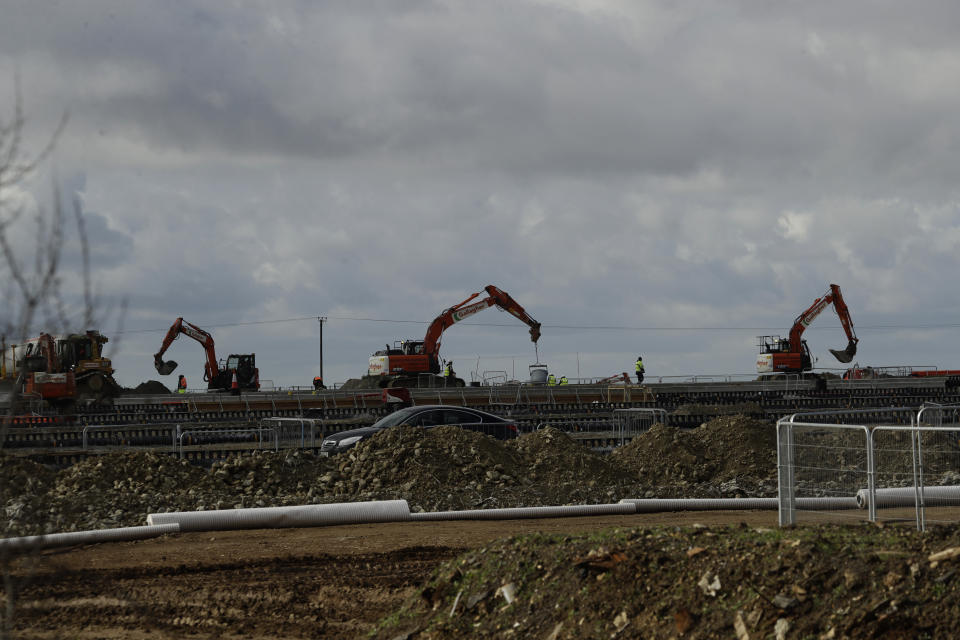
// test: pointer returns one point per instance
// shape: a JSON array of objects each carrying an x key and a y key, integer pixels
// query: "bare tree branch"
[
  {"x": 88, "y": 297},
  {"x": 15, "y": 166}
]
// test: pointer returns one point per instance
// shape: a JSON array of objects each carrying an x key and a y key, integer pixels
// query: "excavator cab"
[
  {"x": 412, "y": 347},
  {"x": 778, "y": 355}
]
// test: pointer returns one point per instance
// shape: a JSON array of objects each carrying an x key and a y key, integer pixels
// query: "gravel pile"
[
  {"x": 439, "y": 469},
  {"x": 566, "y": 472},
  {"x": 729, "y": 456}
]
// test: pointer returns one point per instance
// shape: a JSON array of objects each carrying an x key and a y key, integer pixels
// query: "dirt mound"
[
  {"x": 433, "y": 469},
  {"x": 270, "y": 479},
  {"x": 120, "y": 489},
  {"x": 19, "y": 475},
  {"x": 23, "y": 489},
  {"x": 818, "y": 582},
  {"x": 148, "y": 387},
  {"x": 449, "y": 468},
  {"x": 566, "y": 472},
  {"x": 723, "y": 456}
]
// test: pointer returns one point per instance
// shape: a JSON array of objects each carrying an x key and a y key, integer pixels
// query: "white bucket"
[{"x": 538, "y": 373}]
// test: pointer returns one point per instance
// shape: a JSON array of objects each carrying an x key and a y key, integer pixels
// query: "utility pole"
[{"x": 321, "y": 320}]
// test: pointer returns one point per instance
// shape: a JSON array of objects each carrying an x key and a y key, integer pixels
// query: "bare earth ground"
[
  {"x": 330, "y": 582},
  {"x": 625, "y": 577}
]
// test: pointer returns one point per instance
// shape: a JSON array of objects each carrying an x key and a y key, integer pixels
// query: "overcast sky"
[{"x": 666, "y": 178}]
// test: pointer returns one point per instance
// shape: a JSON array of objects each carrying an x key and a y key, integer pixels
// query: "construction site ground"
[
  {"x": 671, "y": 575},
  {"x": 326, "y": 582}
]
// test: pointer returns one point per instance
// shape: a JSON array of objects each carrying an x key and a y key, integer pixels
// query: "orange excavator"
[
  {"x": 412, "y": 362},
  {"x": 238, "y": 373},
  {"x": 792, "y": 355}
]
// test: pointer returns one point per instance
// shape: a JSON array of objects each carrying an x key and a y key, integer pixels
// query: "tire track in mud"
[{"x": 320, "y": 595}]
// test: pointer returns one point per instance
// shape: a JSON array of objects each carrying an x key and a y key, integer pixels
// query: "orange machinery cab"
[
  {"x": 776, "y": 356},
  {"x": 406, "y": 356},
  {"x": 51, "y": 386}
]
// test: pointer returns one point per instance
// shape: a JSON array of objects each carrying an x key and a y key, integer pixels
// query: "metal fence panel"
[
  {"x": 630, "y": 423},
  {"x": 897, "y": 472},
  {"x": 295, "y": 433},
  {"x": 820, "y": 469}
]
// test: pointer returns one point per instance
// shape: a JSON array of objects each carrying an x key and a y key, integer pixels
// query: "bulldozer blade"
[
  {"x": 165, "y": 368},
  {"x": 847, "y": 354}
]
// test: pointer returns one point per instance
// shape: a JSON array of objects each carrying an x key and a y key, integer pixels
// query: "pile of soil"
[
  {"x": 108, "y": 491},
  {"x": 446, "y": 468},
  {"x": 822, "y": 582},
  {"x": 147, "y": 388},
  {"x": 566, "y": 472},
  {"x": 726, "y": 456},
  {"x": 24, "y": 487},
  {"x": 442, "y": 469}
]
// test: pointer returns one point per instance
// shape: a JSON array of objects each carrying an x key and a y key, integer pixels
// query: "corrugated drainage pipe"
[
  {"x": 314, "y": 515},
  {"x": 54, "y": 540},
  {"x": 517, "y": 513},
  {"x": 907, "y": 496},
  {"x": 655, "y": 505}
]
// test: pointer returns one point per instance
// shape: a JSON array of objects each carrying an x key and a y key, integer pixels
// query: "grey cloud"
[{"x": 631, "y": 166}]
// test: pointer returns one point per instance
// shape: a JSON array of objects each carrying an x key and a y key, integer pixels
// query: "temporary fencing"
[
  {"x": 295, "y": 432},
  {"x": 193, "y": 440},
  {"x": 901, "y": 464},
  {"x": 629, "y": 423}
]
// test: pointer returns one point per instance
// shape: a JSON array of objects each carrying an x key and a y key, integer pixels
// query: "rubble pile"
[
  {"x": 729, "y": 456},
  {"x": 822, "y": 582},
  {"x": 566, "y": 472},
  {"x": 20, "y": 477},
  {"x": 24, "y": 485},
  {"x": 439, "y": 469},
  {"x": 267, "y": 480},
  {"x": 446, "y": 468},
  {"x": 120, "y": 489}
]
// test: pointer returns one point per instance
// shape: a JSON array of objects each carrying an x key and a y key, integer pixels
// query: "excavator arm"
[
  {"x": 458, "y": 312},
  {"x": 210, "y": 369},
  {"x": 803, "y": 321}
]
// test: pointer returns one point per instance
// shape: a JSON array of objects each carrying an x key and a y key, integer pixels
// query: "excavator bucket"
[
  {"x": 847, "y": 354},
  {"x": 164, "y": 368}
]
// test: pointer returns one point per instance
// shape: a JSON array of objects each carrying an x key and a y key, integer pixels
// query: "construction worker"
[
  {"x": 448, "y": 374},
  {"x": 639, "y": 369},
  {"x": 563, "y": 380},
  {"x": 551, "y": 380},
  {"x": 318, "y": 383},
  {"x": 182, "y": 384}
]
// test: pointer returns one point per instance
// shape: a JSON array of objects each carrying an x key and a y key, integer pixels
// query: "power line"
[{"x": 572, "y": 327}]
